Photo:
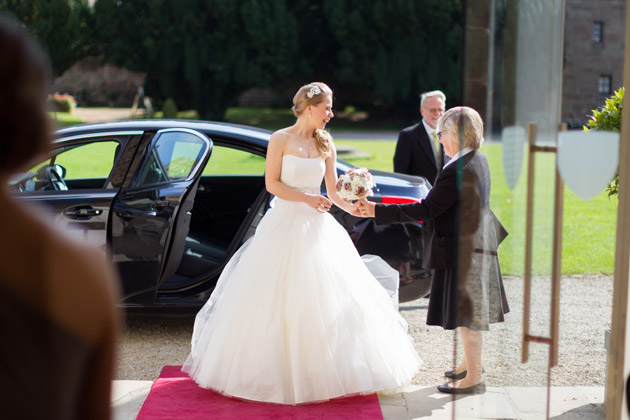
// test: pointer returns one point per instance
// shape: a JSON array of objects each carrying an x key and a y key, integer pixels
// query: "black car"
[{"x": 172, "y": 200}]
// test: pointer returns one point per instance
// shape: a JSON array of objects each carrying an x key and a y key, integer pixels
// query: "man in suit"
[{"x": 418, "y": 152}]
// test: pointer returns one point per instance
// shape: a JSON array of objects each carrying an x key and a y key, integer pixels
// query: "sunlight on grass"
[
  {"x": 381, "y": 153},
  {"x": 63, "y": 119},
  {"x": 225, "y": 160},
  {"x": 588, "y": 226}
]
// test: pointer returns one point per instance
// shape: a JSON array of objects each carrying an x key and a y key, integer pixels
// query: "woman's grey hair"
[{"x": 463, "y": 125}]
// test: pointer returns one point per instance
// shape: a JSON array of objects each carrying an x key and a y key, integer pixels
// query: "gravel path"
[{"x": 148, "y": 343}]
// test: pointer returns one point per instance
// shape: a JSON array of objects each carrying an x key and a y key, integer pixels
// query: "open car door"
[{"x": 151, "y": 215}]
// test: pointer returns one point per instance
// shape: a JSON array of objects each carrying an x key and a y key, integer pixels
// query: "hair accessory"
[{"x": 315, "y": 90}]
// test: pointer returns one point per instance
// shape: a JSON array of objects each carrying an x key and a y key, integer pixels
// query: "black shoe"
[
  {"x": 455, "y": 376},
  {"x": 480, "y": 388}
]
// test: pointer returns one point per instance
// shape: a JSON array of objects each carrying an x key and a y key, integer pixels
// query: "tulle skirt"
[{"x": 297, "y": 317}]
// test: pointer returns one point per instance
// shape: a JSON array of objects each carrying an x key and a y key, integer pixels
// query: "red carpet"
[{"x": 175, "y": 396}]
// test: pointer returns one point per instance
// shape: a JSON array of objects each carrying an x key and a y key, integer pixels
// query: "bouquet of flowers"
[{"x": 355, "y": 184}]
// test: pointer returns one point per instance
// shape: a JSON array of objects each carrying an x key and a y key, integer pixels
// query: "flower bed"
[{"x": 62, "y": 102}]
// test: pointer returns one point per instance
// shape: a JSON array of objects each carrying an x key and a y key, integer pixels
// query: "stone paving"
[{"x": 419, "y": 402}]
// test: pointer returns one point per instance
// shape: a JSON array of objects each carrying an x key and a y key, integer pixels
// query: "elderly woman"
[{"x": 460, "y": 236}]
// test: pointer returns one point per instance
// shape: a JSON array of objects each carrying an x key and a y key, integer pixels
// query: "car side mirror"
[{"x": 60, "y": 170}]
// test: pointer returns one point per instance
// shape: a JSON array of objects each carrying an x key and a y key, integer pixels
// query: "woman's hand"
[{"x": 318, "y": 202}]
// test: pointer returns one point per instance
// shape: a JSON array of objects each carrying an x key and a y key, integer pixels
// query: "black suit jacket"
[
  {"x": 440, "y": 211},
  {"x": 414, "y": 154}
]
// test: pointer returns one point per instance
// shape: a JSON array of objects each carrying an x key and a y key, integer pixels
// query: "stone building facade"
[{"x": 594, "y": 40}]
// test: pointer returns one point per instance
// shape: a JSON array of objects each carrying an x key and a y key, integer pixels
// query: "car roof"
[
  {"x": 256, "y": 137},
  {"x": 210, "y": 128}
]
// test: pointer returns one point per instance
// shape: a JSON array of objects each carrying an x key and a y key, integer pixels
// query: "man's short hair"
[{"x": 432, "y": 94}]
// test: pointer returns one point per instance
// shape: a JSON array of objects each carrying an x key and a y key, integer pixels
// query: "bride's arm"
[
  {"x": 331, "y": 182},
  {"x": 273, "y": 168}
]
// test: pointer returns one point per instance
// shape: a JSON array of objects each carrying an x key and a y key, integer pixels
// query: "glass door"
[{"x": 547, "y": 358}]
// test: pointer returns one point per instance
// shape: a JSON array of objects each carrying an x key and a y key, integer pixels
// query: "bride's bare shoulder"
[
  {"x": 282, "y": 133},
  {"x": 281, "y": 136}
]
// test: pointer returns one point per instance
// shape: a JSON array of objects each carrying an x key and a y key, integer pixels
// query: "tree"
[
  {"x": 388, "y": 51},
  {"x": 202, "y": 54},
  {"x": 377, "y": 55},
  {"x": 608, "y": 118},
  {"x": 58, "y": 25}
]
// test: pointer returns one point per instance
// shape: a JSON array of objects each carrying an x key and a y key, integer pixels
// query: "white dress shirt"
[{"x": 459, "y": 154}]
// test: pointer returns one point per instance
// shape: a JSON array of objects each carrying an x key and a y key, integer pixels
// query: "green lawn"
[
  {"x": 64, "y": 119},
  {"x": 276, "y": 118},
  {"x": 588, "y": 228}
]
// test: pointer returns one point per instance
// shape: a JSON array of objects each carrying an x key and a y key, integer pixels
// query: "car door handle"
[
  {"x": 127, "y": 215},
  {"x": 82, "y": 212}
]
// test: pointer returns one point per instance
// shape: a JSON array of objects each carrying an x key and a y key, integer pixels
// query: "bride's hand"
[
  {"x": 318, "y": 202},
  {"x": 354, "y": 210}
]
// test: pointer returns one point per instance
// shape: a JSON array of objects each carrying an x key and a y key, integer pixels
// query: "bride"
[{"x": 296, "y": 316}]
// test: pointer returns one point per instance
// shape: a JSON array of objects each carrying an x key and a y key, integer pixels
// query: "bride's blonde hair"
[{"x": 313, "y": 94}]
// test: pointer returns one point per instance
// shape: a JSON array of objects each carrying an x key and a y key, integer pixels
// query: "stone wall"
[
  {"x": 93, "y": 83},
  {"x": 585, "y": 61}
]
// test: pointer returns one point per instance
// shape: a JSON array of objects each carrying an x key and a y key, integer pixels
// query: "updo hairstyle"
[
  {"x": 24, "y": 122},
  {"x": 313, "y": 94},
  {"x": 463, "y": 125}
]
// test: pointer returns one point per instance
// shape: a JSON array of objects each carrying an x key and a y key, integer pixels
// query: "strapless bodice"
[{"x": 302, "y": 173}]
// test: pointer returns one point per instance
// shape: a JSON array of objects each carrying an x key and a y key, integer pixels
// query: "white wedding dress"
[{"x": 296, "y": 316}]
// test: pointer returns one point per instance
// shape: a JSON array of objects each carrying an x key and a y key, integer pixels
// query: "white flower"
[
  {"x": 355, "y": 184},
  {"x": 315, "y": 90}
]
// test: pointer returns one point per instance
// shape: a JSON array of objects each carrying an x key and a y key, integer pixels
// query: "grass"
[
  {"x": 225, "y": 160},
  {"x": 274, "y": 119},
  {"x": 64, "y": 119},
  {"x": 381, "y": 153},
  {"x": 588, "y": 226},
  {"x": 186, "y": 115}
]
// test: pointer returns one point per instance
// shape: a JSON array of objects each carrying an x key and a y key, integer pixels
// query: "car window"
[
  {"x": 83, "y": 166},
  {"x": 173, "y": 157},
  {"x": 230, "y": 161},
  {"x": 91, "y": 160}
]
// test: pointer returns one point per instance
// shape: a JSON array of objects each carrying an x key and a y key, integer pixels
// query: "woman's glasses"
[{"x": 439, "y": 135}]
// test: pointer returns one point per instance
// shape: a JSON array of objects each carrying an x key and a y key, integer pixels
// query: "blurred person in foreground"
[
  {"x": 418, "y": 151},
  {"x": 56, "y": 296},
  {"x": 461, "y": 236}
]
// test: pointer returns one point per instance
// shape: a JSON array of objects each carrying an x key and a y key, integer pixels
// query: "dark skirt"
[
  {"x": 443, "y": 301},
  {"x": 451, "y": 307}
]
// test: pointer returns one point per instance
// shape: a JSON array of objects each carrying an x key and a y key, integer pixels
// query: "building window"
[
  {"x": 598, "y": 32},
  {"x": 604, "y": 84}
]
